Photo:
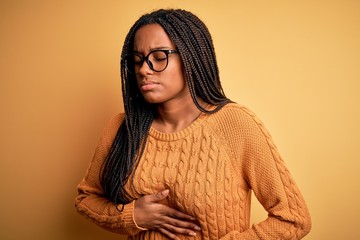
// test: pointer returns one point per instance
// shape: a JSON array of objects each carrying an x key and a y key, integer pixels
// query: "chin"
[{"x": 152, "y": 100}]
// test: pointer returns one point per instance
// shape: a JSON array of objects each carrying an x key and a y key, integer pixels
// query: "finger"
[
  {"x": 168, "y": 234},
  {"x": 160, "y": 195},
  {"x": 179, "y": 215},
  {"x": 182, "y": 224},
  {"x": 179, "y": 230}
]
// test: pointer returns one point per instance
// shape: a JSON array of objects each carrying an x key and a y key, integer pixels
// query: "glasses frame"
[{"x": 147, "y": 60}]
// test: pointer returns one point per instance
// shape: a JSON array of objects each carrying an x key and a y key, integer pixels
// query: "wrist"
[{"x": 139, "y": 227}]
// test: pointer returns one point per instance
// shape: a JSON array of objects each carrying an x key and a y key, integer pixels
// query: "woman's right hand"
[{"x": 151, "y": 214}]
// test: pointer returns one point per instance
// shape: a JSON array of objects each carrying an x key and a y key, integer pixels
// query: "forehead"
[{"x": 151, "y": 36}]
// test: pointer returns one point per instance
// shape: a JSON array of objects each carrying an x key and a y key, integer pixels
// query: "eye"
[
  {"x": 136, "y": 59},
  {"x": 157, "y": 56}
]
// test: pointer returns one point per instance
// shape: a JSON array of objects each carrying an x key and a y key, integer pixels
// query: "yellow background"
[{"x": 295, "y": 63}]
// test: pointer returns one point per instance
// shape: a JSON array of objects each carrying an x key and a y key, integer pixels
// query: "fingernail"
[
  {"x": 165, "y": 191},
  {"x": 197, "y": 228},
  {"x": 192, "y": 233}
]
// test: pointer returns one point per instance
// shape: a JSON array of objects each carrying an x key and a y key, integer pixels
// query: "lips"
[{"x": 148, "y": 85}]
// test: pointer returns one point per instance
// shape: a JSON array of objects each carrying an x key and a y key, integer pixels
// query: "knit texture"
[{"x": 210, "y": 167}]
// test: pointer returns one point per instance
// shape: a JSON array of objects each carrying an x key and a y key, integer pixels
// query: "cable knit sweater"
[{"x": 210, "y": 168}]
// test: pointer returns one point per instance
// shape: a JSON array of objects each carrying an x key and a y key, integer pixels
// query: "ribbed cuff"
[{"x": 128, "y": 217}]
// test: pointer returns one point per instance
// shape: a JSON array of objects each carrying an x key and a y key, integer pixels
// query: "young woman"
[{"x": 183, "y": 159}]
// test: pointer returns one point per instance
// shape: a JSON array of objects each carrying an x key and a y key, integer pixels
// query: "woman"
[{"x": 182, "y": 160}]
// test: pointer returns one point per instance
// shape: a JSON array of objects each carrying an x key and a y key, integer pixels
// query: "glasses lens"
[
  {"x": 158, "y": 61},
  {"x": 133, "y": 63}
]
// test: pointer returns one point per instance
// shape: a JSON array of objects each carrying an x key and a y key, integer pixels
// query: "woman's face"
[{"x": 165, "y": 86}]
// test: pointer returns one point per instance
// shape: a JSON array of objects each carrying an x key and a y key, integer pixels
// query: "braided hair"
[{"x": 194, "y": 43}]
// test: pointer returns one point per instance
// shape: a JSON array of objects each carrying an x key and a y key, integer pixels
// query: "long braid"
[
  {"x": 195, "y": 46},
  {"x": 194, "y": 42}
]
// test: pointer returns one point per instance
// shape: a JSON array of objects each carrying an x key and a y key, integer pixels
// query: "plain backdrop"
[{"x": 296, "y": 64}]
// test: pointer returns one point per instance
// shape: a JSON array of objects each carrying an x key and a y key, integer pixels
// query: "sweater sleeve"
[
  {"x": 90, "y": 201},
  {"x": 266, "y": 174}
]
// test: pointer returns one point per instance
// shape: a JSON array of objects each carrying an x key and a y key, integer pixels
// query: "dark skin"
[
  {"x": 150, "y": 213},
  {"x": 175, "y": 111}
]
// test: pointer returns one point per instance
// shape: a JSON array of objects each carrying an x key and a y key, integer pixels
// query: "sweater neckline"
[{"x": 179, "y": 134}]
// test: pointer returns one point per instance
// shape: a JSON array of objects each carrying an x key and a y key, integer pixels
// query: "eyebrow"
[{"x": 153, "y": 49}]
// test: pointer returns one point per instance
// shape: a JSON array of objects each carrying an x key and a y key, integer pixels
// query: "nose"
[{"x": 145, "y": 68}]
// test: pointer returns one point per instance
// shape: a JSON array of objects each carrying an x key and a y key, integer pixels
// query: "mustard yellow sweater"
[{"x": 210, "y": 168}]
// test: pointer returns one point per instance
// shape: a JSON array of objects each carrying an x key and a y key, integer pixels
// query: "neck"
[{"x": 176, "y": 115}]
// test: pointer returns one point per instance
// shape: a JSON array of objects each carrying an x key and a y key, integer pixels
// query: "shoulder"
[
  {"x": 235, "y": 114},
  {"x": 238, "y": 123},
  {"x": 116, "y": 120},
  {"x": 112, "y": 127}
]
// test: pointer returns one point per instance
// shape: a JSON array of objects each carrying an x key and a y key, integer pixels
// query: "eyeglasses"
[{"x": 157, "y": 60}]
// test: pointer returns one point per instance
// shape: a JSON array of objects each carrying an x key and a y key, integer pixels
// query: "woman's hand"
[{"x": 151, "y": 214}]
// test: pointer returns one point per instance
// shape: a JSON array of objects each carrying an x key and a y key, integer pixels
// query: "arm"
[
  {"x": 148, "y": 210},
  {"x": 272, "y": 184},
  {"x": 90, "y": 201}
]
